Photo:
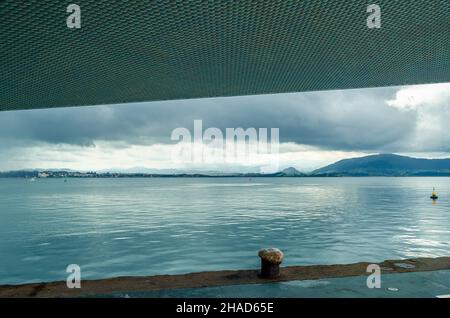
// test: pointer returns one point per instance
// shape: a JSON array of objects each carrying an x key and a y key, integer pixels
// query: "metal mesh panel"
[{"x": 130, "y": 51}]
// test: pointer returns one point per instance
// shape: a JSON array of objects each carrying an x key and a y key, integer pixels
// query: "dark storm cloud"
[{"x": 345, "y": 120}]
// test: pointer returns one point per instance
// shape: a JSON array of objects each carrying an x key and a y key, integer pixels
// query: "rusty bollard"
[{"x": 271, "y": 259}]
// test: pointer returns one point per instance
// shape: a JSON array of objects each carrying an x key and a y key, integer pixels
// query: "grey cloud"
[{"x": 344, "y": 120}]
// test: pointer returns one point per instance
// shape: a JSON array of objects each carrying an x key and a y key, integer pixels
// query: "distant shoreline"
[
  {"x": 382, "y": 165},
  {"x": 193, "y": 176}
]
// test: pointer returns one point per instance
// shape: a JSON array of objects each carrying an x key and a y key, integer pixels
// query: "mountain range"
[
  {"x": 386, "y": 165},
  {"x": 374, "y": 165}
]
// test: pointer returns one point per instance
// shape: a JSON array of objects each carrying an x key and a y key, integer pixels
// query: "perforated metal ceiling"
[{"x": 129, "y": 51}]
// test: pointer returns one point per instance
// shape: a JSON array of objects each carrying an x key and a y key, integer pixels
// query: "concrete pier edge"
[{"x": 215, "y": 278}]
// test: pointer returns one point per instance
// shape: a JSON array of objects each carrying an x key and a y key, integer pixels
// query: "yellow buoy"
[{"x": 434, "y": 195}]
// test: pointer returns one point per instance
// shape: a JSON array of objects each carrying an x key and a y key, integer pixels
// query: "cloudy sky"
[{"x": 315, "y": 128}]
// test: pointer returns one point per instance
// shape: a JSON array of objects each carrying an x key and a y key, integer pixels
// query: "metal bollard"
[{"x": 271, "y": 258}]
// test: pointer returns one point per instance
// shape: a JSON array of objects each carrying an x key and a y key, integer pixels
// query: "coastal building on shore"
[{"x": 43, "y": 175}]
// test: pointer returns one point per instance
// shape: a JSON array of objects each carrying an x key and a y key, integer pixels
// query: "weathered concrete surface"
[{"x": 219, "y": 278}]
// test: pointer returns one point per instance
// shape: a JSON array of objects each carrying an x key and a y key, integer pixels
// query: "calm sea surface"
[{"x": 116, "y": 227}]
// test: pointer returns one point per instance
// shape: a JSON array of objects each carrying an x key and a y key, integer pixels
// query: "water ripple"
[{"x": 113, "y": 227}]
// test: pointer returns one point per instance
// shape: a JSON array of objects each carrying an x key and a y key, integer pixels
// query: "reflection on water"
[{"x": 115, "y": 227}]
